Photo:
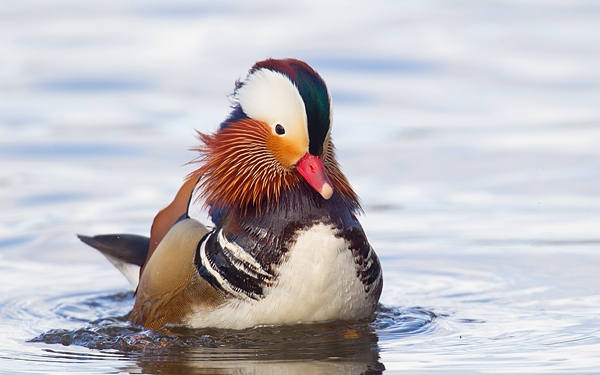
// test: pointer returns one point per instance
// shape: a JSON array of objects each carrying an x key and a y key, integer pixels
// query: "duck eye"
[{"x": 279, "y": 129}]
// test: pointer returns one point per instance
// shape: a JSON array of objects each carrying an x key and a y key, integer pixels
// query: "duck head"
[{"x": 276, "y": 139}]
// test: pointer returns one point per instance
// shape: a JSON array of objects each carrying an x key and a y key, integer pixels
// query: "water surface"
[{"x": 469, "y": 129}]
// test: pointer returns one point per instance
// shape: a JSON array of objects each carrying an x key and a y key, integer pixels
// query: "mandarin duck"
[{"x": 285, "y": 247}]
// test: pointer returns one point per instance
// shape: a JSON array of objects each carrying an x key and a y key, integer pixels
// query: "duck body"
[{"x": 286, "y": 246}]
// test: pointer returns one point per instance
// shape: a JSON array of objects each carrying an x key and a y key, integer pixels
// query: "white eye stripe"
[{"x": 271, "y": 97}]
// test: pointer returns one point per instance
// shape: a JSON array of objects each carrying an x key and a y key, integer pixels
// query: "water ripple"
[
  {"x": 397, "y": 323},
  {"x": 116, "y": 333}
]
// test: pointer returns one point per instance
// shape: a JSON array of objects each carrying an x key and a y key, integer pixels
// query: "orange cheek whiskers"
[
  {"x": 238, "y": 168},
  {"x": 244, "y": 165}
]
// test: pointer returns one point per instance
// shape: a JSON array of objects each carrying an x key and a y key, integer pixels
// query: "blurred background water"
[{"x": 470, "y": 129}]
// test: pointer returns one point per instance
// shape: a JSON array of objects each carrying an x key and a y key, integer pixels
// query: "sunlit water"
[{"x": 471, "y": 131}]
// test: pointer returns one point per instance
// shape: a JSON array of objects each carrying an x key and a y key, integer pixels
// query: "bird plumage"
[{"x": 286, "y": 246}]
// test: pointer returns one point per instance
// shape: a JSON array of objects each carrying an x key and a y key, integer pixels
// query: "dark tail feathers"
[{"x": 128, "y": 248}]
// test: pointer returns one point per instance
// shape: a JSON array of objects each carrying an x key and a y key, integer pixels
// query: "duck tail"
[{"x": 127, "y": 252}]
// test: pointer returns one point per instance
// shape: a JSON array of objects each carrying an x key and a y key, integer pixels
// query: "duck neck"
[{"x": 268, "y": 232}]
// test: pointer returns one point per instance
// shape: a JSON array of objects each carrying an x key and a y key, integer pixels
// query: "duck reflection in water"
[{"x": 327, "y": 348}]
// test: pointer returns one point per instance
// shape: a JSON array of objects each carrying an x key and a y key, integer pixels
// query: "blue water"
[{"x": 470, "y": 130}]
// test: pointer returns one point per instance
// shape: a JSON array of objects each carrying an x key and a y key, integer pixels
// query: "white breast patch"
[{"x": 317, "y": 281}]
